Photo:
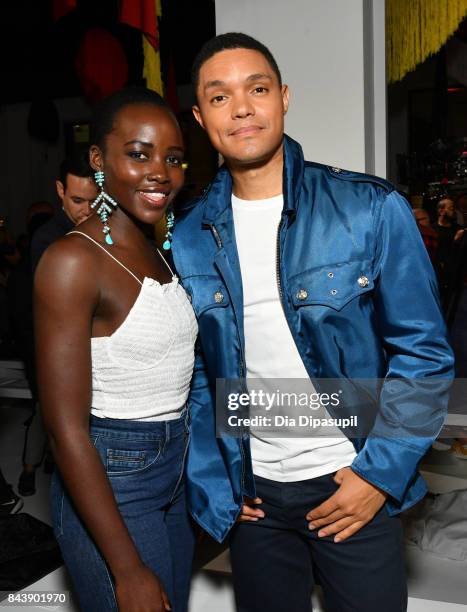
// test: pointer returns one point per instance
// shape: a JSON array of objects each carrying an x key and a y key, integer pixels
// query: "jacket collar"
[
  {"x": 63, "y": 220},
  {"x": 219, "y": 195}
]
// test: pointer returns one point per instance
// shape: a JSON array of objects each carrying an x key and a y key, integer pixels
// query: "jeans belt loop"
[
  {"x": 187, "y": 417},
  {"x": 167, "y": 432}
]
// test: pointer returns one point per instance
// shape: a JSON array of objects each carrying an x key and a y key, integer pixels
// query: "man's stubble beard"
[{"x": 252, "y": 163}]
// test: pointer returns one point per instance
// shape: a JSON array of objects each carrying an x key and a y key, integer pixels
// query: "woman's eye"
[
  {"x": 137, "y": 155},
  {"x": 174, "y": 161}
]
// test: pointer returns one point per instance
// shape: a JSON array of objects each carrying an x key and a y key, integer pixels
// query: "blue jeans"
[{"x": 144, "y": 462}]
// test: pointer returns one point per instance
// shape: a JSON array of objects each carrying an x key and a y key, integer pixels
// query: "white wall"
[
  {"x": 375, "y": 89},
  {"x": 331, "y": 54}
]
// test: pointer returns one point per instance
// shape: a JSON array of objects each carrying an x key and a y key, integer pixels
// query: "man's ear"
[
  {"x": 285, "y": 97},
  {"x": 60, "y": 189},
  {"x": 197, "y": 114},
  {"x": 95, "y": 158}
]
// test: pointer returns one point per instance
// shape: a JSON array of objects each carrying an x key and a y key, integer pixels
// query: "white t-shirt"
[{"x": 271, "y": 352}]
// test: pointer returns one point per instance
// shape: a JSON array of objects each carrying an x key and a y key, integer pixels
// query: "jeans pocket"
[
  {"x": 123, "y": 457},
  {"x": 121, "y": 460}
]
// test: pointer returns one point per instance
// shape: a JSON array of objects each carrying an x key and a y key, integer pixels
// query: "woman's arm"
[{"x": 66, "y": 294}]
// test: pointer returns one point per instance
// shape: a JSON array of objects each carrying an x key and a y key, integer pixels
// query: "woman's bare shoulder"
[{"x": 72, "y": 260}]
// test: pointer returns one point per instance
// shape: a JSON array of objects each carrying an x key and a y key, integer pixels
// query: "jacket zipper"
[
  {"x": 278, "y": 263},
  {"x": 279, "y": 286},
  {"x": 241, "y": 368},
  {"x": 218, "y": 240},
  {"x": 216, "y": 235}
]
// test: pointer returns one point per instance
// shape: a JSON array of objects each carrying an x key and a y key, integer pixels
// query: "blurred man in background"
[{"x": 76, "y": 190}]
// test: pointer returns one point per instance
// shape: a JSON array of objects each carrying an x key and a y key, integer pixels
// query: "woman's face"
[{"x": 142, "y": 161}]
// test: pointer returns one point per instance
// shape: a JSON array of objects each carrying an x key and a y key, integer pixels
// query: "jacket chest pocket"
[
  {"x": 206, "y": 293},
  {"x": 333, "y": 285}
]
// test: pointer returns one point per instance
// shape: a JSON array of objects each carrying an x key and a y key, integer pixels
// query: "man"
[
  {"x": 448, "y": 229},
  {"x": 297, "y": 270},
  {"x": 461, "y": 208},
  {"x": 76, "y": 190},
  {"x": 448, "y": 260},
  {"x": 429, "y": 235}
]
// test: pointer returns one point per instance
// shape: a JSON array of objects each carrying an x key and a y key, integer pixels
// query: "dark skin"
[{"x": 80, "y": 293}]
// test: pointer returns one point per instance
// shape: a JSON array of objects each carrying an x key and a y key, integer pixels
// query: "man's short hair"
[
  {"x": 231, "y": 40},
  {"x": 76, "y": 164},
  {"x": 417, "y": 211},
  {"x": 443, "y": 199}
]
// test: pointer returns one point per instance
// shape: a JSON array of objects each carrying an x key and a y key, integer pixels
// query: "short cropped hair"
[
  {"x": 76, "y": 164},
  {"x": 231, "y": 40},
  {"x": 105, "y": 112},
  {"x": 443, "y": 199}
]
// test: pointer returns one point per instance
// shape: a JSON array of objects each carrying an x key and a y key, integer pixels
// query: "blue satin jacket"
[{"x": 333, "y": 220}]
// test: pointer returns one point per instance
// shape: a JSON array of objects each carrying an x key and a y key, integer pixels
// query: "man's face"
[
  {"x": 422, "y": 217},
  {"x": 77, "y": 196},
  {"x": 241, "y": 106},
  {"x": 446, "y": 208}
]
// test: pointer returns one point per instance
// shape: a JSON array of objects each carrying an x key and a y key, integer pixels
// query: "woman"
[{"x": 115, "y": 334}]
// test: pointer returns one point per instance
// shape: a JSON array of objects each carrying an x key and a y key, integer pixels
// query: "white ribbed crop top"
[{"x": 143, "y": 370}]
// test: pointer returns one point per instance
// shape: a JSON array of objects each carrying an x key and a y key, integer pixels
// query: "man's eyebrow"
[
  {"x": 258, "y": 76},
  {"x": 214, "y": 83},
  {"x": 141, "y": 142},
  {"x": 252, "y": 77}
]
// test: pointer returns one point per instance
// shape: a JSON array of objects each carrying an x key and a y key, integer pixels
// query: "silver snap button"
[
  {"x": 333, "y": 291},
  {"x": 363, "y": 281},
  {"x": 331, "y": 274},
  {"x": 336, "y": 170},
  {"x": 218, "y": 297},
  {"x": 302, "y": 294}
]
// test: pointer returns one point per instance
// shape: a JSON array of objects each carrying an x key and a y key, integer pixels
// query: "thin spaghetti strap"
[
  {"x": 166, "y": 263},
  {"x": 106, "y": 251}
]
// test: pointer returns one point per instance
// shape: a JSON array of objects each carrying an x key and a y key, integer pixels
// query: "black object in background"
[{"x": 28, "y": 552}]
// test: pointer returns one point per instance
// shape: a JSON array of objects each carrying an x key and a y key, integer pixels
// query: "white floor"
[{"x": 435, "y": 585}]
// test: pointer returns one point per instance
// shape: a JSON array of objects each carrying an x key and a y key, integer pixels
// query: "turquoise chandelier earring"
[
  {"x": 169, "y": 223},
  {"x": 103, "y": 203}
]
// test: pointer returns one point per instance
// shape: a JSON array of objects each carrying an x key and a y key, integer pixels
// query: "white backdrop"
[{"x": 331, "y": 54}]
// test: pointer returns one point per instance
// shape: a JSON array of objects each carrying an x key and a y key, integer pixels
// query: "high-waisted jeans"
[{"x": 144, "y": 462}]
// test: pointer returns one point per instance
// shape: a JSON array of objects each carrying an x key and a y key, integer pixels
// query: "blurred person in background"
[
  {"x": 429, "y": 235},
  {"x": 76, "y": 190},
  {"x": 449, "y": 234},
  {"x": 19, "y": 299},
  {"x": 461, "y": 209}
]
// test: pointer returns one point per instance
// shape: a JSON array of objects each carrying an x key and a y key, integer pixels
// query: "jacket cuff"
[{"x": 388, "y": 464}]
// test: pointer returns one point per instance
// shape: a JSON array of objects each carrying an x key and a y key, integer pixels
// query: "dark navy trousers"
[{"x": 276, "y": 561}]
